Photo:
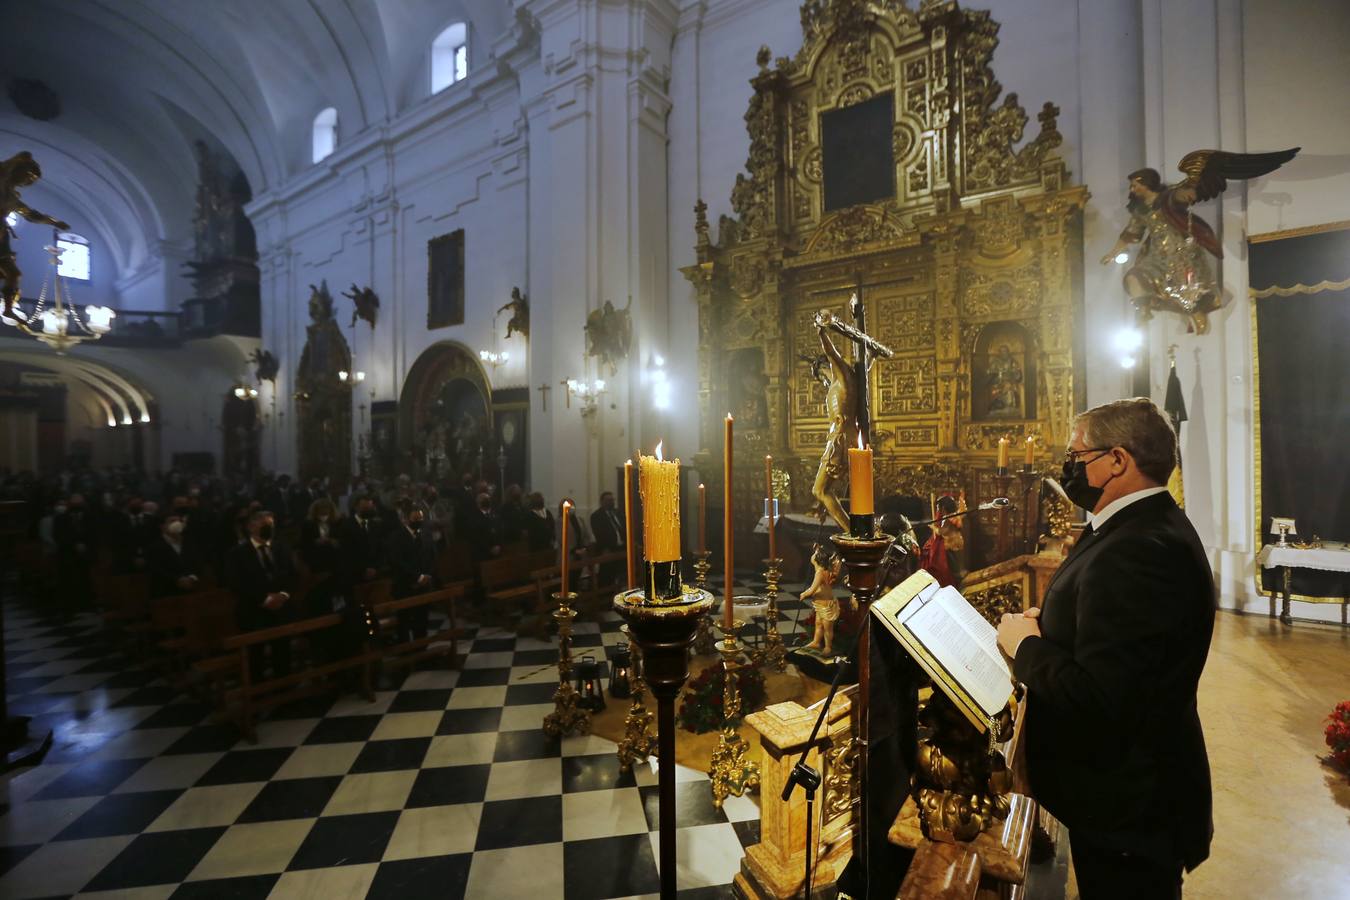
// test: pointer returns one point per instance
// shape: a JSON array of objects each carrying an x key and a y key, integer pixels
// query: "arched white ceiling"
[{"x": 141, "y": 80}]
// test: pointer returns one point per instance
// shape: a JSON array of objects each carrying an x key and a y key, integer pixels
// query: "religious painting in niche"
[
  {"x": 747, "y": 383},
  {"x": 239, "y": 420},
  {"x": 455, "y": 433},
  {"x": 1002, "y": 381},
  {"x": 384, "y": 438},
  {"x": 445, "y": 280},
  {"x": 857, "y": 158},
  {"x": 511, "y": 420}
]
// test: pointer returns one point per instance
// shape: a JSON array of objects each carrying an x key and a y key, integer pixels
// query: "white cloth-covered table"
[{"x": 1327, "y": 558}]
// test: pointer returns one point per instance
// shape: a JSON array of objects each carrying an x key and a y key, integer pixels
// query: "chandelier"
[{"x": 61, "y": 325}]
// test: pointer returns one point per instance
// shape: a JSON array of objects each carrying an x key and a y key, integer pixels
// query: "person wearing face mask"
[
  {"x": 539, "y": 526},
  {"x": 1111, "y": 662},
  {"x": 260, "y": 574},
  {"x": 362, "y": 543},
  {"x": 173, "y": 565},
  {"x": 320, "y": 553},
  {"x": 412, "y": 566}
]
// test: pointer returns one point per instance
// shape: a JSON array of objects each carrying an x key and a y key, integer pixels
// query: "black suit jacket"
[
  {"x": 246, "y": 577},
  {"x": 608, "y": 533},
  {"x": 166, "y": 566},
  {"x": 360, "y": 548},
  {"x": 410, "y": 557},
  {"x": 1114, "y": 745}
]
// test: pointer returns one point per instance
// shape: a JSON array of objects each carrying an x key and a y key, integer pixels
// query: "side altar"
[{"x": 885, "y": 160}]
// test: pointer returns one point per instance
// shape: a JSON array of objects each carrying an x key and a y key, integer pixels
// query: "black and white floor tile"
[{"x": 445, "y": 786}]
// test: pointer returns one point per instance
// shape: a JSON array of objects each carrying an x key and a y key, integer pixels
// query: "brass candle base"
[
  {"x": 704, "y": 641},
  {"x": 773, "y": 653},
  {"x": 567, "y": 716},
  {"x": 638, "y": 741},
  {"x": 731, "y": 773},
  {"x": 664, "y": 631}
]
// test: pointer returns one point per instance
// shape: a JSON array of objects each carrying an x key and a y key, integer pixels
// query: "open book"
[{"x": 952, "y": 642}]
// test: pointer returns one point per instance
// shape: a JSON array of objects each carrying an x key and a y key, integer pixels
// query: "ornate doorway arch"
[
  {"x": 445, "y": 415},
  {"x": 323, "y": 400}
]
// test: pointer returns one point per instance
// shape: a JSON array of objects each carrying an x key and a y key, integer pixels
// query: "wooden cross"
[{"x": 543, "y": 394}]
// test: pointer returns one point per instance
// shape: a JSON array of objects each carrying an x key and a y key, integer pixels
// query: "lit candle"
[
  {"x": 1029, "y": 457},
  {"x": 727, "y": 618},
  {"x": 1003, "y": 452},
  {"x": 702, "y": 518},
  {"x": 628, "y": 523},
  {"x": 659, "y": 483},
  {"x": 860, "y": 480},
  {"x": 768, "y": 493},
  {"x": 566, "y": 514}
]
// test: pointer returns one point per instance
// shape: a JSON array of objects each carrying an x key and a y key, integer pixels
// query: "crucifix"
[{"x": 543, "y": 390}]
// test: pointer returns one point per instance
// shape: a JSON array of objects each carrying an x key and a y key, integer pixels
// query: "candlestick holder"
[
  {"x": 1029, "y": 480},
  {"x": 773, "y": 652},
  {"x": 862, "y": 557},
  {"x": 661, "y": 580},
  {"x": 862, "y": 525},
  {"x": 638, "y": 740},
  {"x": 664, "y": 630},
  {"x": 704, "y": 642},
  {"x": 567, "y": 716},
  {"x": 730, "y": 772},
  {"x": 1002, "y": 479}
]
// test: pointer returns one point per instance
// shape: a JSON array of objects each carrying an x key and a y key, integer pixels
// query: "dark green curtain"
[{"x": 1303, "y": 346}]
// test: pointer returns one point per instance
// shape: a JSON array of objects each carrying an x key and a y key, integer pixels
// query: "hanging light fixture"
[{"x": 61, "y": 324}]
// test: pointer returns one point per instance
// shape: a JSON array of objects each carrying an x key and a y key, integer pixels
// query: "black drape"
[{"x": 1303, "y": 347}]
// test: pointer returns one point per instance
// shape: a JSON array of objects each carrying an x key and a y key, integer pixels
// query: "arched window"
[
  {"x": 74, "y": 256},
  {"x": 449, "y": 57},
  {"x": 325, "y": 133}
]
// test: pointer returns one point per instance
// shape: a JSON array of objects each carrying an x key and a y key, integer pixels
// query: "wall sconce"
[
  {"x": 245, "y": 392},
  {"x": 587, "y": 392},
  {"x": 493, "y": 358},
  {"x": 357, "y": 377}
]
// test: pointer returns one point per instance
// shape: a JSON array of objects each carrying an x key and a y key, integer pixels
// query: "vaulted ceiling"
[{"x": 140, "y": 80}]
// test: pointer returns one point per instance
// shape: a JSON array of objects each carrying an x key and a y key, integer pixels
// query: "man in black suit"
[
  {"x": 174, "y": 565},
  {"x": 259, "y": 572},
  {"x": 1112, "y": 660},
  {"x": 412, "y": 565},
  {"x": 361, "y": 544},
  {"x": 608, "y": 530}
]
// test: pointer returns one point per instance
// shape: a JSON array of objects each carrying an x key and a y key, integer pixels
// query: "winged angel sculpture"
[{"x": 1170, "y": 271}]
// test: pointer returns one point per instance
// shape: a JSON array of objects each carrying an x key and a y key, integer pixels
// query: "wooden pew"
[
  {"x": 409, "y": 653},
  {"x": 508, "y": 582}
]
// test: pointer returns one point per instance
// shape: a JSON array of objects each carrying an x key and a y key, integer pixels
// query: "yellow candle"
[
  {"x": 860, "y": 480},
  {"x": 659, "y": 482},
  {"x": 702, "y": 518},
  {"x": 727, "y": 617},
  {"x": 1003, "y": 452},
  {"x": 628, "y": 523},
  {"x": 768, "y": 493},
  {"x": 1029, "y": 457},
  {"x": 566, "y": 514}
]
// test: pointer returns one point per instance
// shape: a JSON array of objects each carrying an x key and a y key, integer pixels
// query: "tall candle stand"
[
  {"x": 638, "y": 740},
  {"x": 567, "y": 716},
  {"x": 862, "y": 555},
  {"x": 773, "y": 653},
  {"x": 1002, "y": 478},
  {"x": 1028, "y": 480},
  {"x": 731, "y": 773},
  {"x": 664, "y": 630},
  {"x": 704, "y": 642}
]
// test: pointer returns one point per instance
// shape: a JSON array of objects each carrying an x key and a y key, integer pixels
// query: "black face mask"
[
  {"x": 1073, "y": 478},
  {"x": 265, "y": 532}
]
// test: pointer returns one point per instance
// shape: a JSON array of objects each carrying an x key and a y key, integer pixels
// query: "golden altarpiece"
[{"x": 885, "y": 159}]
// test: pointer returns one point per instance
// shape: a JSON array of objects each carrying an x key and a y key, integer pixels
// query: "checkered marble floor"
[{"x": 444, "y": 786}]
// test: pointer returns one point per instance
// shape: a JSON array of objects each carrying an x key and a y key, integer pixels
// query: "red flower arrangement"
[
  {"x": 701, "y": 709},
  {"x": 1338, "y": 735}
]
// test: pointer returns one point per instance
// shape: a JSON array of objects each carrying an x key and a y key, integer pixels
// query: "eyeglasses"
[{"x": 1071, "y": 456}]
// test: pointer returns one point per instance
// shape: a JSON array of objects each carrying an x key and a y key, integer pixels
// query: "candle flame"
[
  {"x": 659, "y": 457},
  {"x": 729, "y": 418},
  {"x": 567, "y": 505},
  {"x": 860, "y": 443},
  {"x": 700, "y": 485}
]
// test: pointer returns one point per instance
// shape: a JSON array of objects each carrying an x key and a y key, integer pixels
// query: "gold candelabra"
[
  {"x": 704, "y": 642},
  {"x": 567, "y": 717},
  {"x": 638, "y": 741},
  {"x": 773, "y": 653},
  {"x": 731, "y": 773}
]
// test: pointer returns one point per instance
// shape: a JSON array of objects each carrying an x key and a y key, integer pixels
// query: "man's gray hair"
[{"x": 1138, "y": 426}]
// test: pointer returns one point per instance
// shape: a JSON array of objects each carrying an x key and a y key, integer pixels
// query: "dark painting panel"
[
  {"x": 445, "y": 280},
  {"x": 857, "y": 156}
]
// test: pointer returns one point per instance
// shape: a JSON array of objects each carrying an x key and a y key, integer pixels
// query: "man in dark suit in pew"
[
  {"x": 174, "y": 565},
  {"x": 1112, "y": 661},
  {"x": 260, "y": 573},
  {"x": 412, "y": 565}
]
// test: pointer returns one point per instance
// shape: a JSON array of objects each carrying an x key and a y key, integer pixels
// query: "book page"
[
  {"x": 967, "y": 658},
  {"x": 976, "y": 625}
]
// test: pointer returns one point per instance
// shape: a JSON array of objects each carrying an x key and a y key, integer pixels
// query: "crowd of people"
[{"x": 258, "y": 537}]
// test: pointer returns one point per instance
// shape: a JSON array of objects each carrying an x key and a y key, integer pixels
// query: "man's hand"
[
  {"x": 423, "y": 580},
  {"x": 276, "y": 601},
  {"x": 369, "y": 573},
  {"x": 186, "y": 582},
  {"x": 1012, "y": 628},
  {"x": 824, "y": 318}
]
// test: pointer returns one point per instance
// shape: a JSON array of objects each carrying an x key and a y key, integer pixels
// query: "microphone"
[{"x": 996, "y": 503}]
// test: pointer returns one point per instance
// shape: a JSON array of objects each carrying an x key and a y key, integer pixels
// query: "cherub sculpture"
[
  {"x": 367, "y": 304},
  {"x": 828, "y": 566},
  {"x": 19, "y": 171},
  {"x": 265, "y": 365},
  {"x": 1170, "y": 271},
  {"x": 609, "y": 333},
  {"x": 520, "y": 314}
]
